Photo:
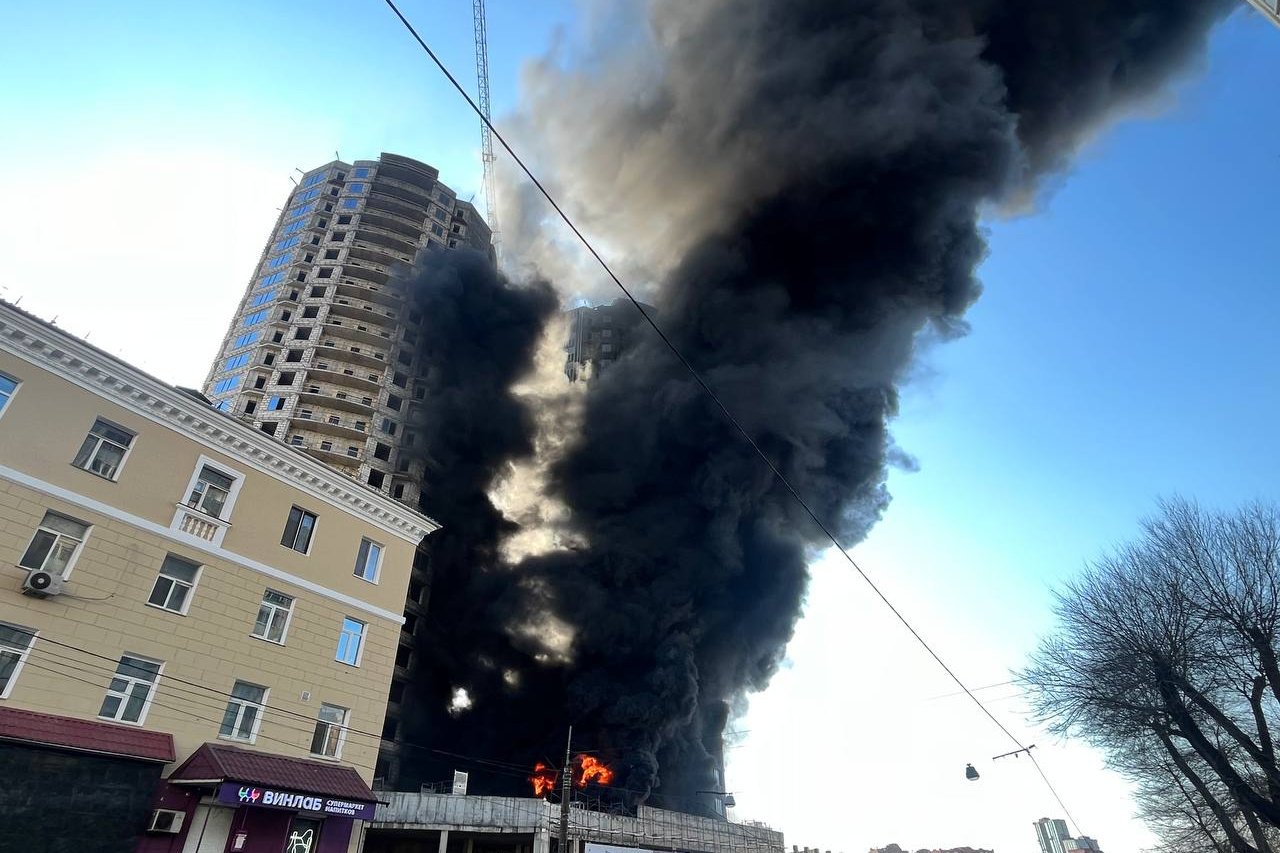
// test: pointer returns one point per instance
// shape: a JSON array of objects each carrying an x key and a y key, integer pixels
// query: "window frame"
[
  {"x": 261, "y": 705},
  {"x": 22, "y": 655},
  {"x": 75, "y": 555},
  {"x": 343, "y": 633},
  {"x": 6, "y": 398},
  {"x": 124, "y": 458},
  {"x": 341, "y": 736},
  {"x": 311, "y": 537},
  {"x": 288, "y": 617},
  {"x": 124, "y": 702},
  {"x": 174, "y": 581},
  {"x": 182, "y": 507},
  {"x": 360, "y": 571}
]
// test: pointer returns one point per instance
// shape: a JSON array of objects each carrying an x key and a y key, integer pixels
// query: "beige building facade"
[{"x": 171, "y": 570}]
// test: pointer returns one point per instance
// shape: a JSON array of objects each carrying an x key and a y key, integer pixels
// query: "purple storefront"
[{"x": 235, "y": 800}]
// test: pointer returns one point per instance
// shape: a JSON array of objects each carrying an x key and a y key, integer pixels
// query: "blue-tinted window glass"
[
  {"x": 256, "y": 317},
  {"x": 271, "y": 279},
  {"x": 350, "y": 203},
  {"x": 307, "y": 195},
  {"x": 275, "y": 404},
  {"x": 224, "y": 406},
  {"x": 294, "y": 227},
  {"x": 7, "y": 387},
  {"x": 299, "y": 210},
  {"x": 355, "y": 188},
  {"x": 245, "y": 340},
  {"x": 236, "y": 361},
  {"x": 313, "y": 179},
  {"x": 361, "y": 173},
  {"x": 264, "y": 297},
  {"x": 279, "y": 260},
  {"x": 226, "y": 385},
  {"x": 287, "y": 243}
]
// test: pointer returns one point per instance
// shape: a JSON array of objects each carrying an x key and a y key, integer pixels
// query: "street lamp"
[{"x": 970, "y": 773}]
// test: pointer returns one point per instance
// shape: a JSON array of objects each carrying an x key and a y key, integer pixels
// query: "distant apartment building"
[
  {"x": 598, "y": 334},
  {"x": 1052, "y": 833},
  {"x": 200, "y": 624},
  {"x": 1081, "y": 842},
  {"x": 321, "y": 351}
]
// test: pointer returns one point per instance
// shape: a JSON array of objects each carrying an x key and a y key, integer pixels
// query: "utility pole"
[{"x": 566, "y": 791}]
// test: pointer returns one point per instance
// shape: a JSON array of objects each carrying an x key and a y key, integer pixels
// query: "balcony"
[
  {"x": 323, "y": 422},
  {"x": 354, "y": 331},
  {"x": 366, "y": 232},
  {"x": 364, "y": 292},
  {"x": 381, "y": 205},
  {"x": 343, "y": 307},
  {"x": 384, "y": 184},
  {"x": 391, "y": 225},
  {"x": 343, "y": 350},
  {"x": 337, "y": 457},
  {"x": 341, "y": 374},
  {"x": 369, "y": 254},
  {"x": 345, "y": 403},
  {"x": 364, "y": 271},
  {"x": 195, "y": 523},
  {"x": 407, "y": 171}
]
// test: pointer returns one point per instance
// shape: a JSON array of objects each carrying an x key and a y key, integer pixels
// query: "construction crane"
[{"x": 486, "y": 135}]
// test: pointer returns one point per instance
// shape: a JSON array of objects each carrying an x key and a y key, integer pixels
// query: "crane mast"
[{"x": 486, "y": 135}]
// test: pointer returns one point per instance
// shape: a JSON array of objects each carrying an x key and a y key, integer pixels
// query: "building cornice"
[{"x": 87, "y": 366}]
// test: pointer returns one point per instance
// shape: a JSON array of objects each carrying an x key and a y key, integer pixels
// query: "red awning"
[
  {"x": 85, "y": 735},
  {"x": 222, "y": 762}
]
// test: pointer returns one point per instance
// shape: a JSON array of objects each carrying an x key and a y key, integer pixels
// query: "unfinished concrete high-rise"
[{"x": 321, "y": 350}]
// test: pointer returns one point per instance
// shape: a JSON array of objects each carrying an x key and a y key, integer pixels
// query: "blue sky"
[{"x": 1122, "y": 351}]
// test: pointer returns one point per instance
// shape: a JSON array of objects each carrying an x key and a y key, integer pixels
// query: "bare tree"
[{"x": 1165, "y": 657}]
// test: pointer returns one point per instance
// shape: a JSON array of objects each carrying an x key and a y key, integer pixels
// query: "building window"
[
  {"x": 350, "y": 203},
  {"x": 263, "y": 297},
  {"x": 130, "y": 691},
  {"x": 307, "y": 195},
  {"x": 104, "y": 449},
  {"x": 352, "y": 450},
  {"x": 388, "y": 426},
  {"x": 279, "y": 260},
  {"x": 236, "y": 361},
  {"x": 293, "y": 228},
  {"x": 331, "y": 254},
  {"x": 245, "y": 340},
  {"x": 345, "y": 219},
  {"x": 318, "y": 292},
  {"x": 337, "y": 236},
  {"x": 326, "y": 445},
  {"x": 312, "y": 180},
  {"x": 255, "y": 317},
  {"x": 56, "y": 544},
  {"x": 360, "y": 173},
  {"x": 330, "y": 731},
  {"x": 273, "y": 617},
  {"x": 15, "y": 645},
  {"x": 355, "y": 188},
  {"x": 350, "y": 641},
  {"x": 223, "y": 406},
  {"x": 225, "y": 385},
  {"x": 211, "y": 491},
  {"x": 437, "y": 230},
  {"x": 275, "y": 404},
  {"x": 404, "y": 657},
  {"x": 302, "y": 334},
  {"x": 310, "y": 312},
  {"x": 286, "y": 378},
  {"x": 244, "y": 712},
  {"x": 172, "y": 590},
  {"x": 8, "y": 387},
  {"x": 294, "y": 356},
  {"x": 299, "y": 210},
  {"x": 298, "y": 530}
]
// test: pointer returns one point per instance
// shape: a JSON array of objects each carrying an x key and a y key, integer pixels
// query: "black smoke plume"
[{"x": 814, "y": 171}]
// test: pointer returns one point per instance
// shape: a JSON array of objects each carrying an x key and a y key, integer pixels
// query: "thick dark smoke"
[{"x": 818, "y": 169}]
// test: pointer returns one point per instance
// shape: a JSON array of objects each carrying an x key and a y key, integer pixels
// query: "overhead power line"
[{"x": 711, "y": 394}]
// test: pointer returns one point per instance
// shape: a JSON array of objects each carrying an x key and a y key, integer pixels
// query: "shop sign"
[{"x": 238, "y": 794}]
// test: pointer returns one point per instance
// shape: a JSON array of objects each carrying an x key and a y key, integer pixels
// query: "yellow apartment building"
[{"x": 198, "y": 623}]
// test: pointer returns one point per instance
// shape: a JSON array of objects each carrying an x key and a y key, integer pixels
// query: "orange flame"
[
  {"x": 593, "y": 771},
  {"x": 543, "y": 779}
]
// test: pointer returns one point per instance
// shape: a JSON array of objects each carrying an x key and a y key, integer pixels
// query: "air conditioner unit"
[
  {"x": 42, "y": 584},
  {"x": 167, "y": 821}
]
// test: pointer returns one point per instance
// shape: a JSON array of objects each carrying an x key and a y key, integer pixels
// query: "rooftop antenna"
[{"x": 336, "y": 156}]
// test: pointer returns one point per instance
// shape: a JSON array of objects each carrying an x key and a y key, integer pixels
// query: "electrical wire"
[{"x": 724, "y": 410}]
